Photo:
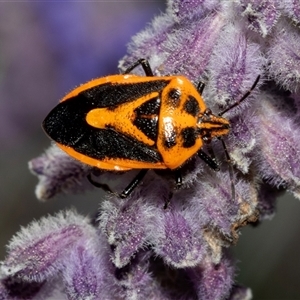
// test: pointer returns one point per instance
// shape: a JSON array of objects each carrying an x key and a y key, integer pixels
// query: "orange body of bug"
[{"x": 124, "y": 122}]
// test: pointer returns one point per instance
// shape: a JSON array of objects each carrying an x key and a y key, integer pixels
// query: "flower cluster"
[{"x": 139, "y": 247}]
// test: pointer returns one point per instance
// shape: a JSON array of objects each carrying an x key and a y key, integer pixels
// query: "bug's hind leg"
[
  {"x": 127, "y": 191},
  {"x": 210, "y": 161},
  {"x": 144, "y": 63},
  {"x": 230, "y": 168},
  {"x": 97, "y": 184},
  {"x": 132, "y": 185},
  {"x": 178, "y": 180}
]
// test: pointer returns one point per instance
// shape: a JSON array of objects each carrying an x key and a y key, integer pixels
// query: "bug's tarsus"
[
  {"x": 168, "y": 201},
  {"x": 178, "y": 178},
  {"x": 200, "y": 87},
  {"x": 210, "y": 161},
  {"x": 131, "y": 186},
  {"x": 230, "y": 169},
  {"x": 144, "y": 63},
  {"x": 212, "y": 155},
  {"x": 231, "y": 174},
  {"x": 97, "y": 184},
  {"x": 242, "y": 99}
]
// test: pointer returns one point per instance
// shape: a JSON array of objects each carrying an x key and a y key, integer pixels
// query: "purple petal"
[
  {"x": 124, "y": 224},
  {"x": 86, "y": 272},
  {"x": 58, "y": 172},
  {"x": 37, "y": 252},
  {"x": 292, "y": 8},
  {"x": 243, "y": 140},
  {"x": 279, "y": 158},
  {"x": 15, "y": 288},
  {"x": 136, "y": 280},
  {"x": 267, "y": 196},
  {"x": 191, "y": 43},
  {"x": 177, "y": 239},
  {"x": 212, "y": 281},
  {"x": 186, "y": 9},
  {"x": 261, "y": 14},
  {"x": 240, "y": 293},
  {"x": 234, "y": 66},
  {"x": 217, "y": 208},
  {"x": 284, "y": 56}
]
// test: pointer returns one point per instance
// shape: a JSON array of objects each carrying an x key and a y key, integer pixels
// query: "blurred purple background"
[{"x": 46, "y": 49}]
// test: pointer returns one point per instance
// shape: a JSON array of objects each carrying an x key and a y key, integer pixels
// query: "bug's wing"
[{"x": 66, "y": 124}]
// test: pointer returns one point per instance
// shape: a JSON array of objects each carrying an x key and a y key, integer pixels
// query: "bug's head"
[{"x": 210, "y": 126}]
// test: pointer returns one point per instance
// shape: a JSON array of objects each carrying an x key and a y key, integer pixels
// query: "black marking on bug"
[
  {"x": 66, "y": 123},
  {"x": 191, "y": 106},
  {"x": 111, "y": 95},
  {"x": 151, "y": 107},
  {"x": 174, "y": 97},
  {"x": 146, "y": 118},
  {"x": 189, "y": 137}
]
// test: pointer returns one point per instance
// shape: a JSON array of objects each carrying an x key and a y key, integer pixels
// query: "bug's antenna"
[
  {"x": 230, "y": 169},
  {"x": 242, "y": 99}
]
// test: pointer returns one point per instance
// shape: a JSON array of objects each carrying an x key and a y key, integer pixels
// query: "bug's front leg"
[{"x": 144, "y": 63}]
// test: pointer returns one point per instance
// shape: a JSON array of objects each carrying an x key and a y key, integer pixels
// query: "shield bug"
[{"x": 123, "y": 122}]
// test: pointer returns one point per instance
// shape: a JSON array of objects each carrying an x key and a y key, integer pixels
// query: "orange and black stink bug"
[{"x": 124, "y": 122}]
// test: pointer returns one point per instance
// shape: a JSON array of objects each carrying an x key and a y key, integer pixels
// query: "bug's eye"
[
  {"x": 206, "y": 139},
  {"x": 207, "y": 112}
]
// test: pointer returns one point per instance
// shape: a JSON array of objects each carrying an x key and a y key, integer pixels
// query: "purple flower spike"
[{"x": 167, "y": 243}]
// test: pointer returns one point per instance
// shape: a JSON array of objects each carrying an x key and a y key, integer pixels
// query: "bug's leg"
[
  {"x": 102, "y": 186},
  {"x": 131, "y": 186},
  {"x": 211, "y": 153},
  {"x": 211, "y": 162},
  {"x": 200, "y": 87},
  {"x": 178, "y": 178},
  {"x": 243, "y": 97},
  {"x": 168, "y": 201},
  {"x": 230, "y": 168},
  {"x": 127, "y": 191},
  {"x": 144, "y": 64}
]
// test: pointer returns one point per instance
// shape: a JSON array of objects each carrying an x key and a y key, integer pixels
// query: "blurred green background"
[{"x": 46, "y": 49}]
